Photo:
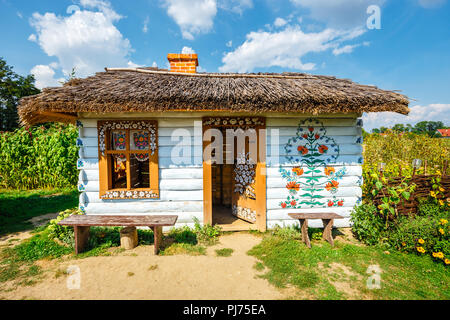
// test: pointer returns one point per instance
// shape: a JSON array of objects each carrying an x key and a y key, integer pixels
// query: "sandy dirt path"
[{"x": 176, "y": 277}]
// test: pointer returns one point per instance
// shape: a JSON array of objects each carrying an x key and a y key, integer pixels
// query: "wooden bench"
[
  {"x": 83, "y": 223},
  {"x": 327, "y": 219}
]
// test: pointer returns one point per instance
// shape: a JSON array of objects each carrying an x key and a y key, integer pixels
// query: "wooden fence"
[{"x": 424, "y": 186}]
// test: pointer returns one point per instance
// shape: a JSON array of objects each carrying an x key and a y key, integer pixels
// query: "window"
[{"x": 128, "y": 159}]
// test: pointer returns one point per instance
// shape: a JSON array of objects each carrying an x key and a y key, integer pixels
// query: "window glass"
[
  {"x": 119, "y": 171},
  {"x": 139, "y": 140},
  {"x": 140, "y": 170},
  {"x": 118, "y": 140}
]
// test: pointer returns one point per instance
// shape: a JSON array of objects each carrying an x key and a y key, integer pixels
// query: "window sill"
[{"x": 124, "y": 194}]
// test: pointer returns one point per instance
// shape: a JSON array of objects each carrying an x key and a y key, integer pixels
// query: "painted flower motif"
[
  {"x": 293, "y": 186},
  {"x": 293, "y": 203},
  {"x": 341, "y": 203},
  {"x": 302, "y": 149},
  {"x": 283, "y": 205},
  {"x": 305, "y": 136},
  {"x": 323, "y": 149},
  {"x": 298, "y": 171},
  {"x": 330, "y": 203},
  {"x": 317, "y": 136},
  {"x": 311, "y": 129},
  {"x": 331, "y": 186},
  {"x": 329, "y": 170}
]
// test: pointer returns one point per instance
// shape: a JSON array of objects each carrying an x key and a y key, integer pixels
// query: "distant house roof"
[
  {"x": 151, "y": 89},
  {"x": 444, "y": 132}
]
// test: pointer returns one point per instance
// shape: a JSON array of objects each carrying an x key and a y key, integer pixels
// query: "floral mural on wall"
[{"x": 312, "y": 153}]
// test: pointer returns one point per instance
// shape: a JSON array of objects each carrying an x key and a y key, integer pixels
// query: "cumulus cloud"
[
  {"x": 279, "y": 22},
  {"x": 192, "y": 16},
  {"x": 187, "y": 50},
  {"x": 284, "y": 48},
  {"x": 45, "y": 76},
  {"x": 431, "y": 112},
  {"x": 86, "y": 39},
  {"x": 339, "y": 13}
]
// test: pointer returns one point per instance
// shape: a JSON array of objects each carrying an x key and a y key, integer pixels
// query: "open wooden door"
[{"x": 244, "y": 204}]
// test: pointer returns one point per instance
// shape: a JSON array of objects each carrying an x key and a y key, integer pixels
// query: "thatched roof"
[{"x": 148, "y": 90}]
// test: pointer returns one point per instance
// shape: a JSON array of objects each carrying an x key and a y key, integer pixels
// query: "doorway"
[{"x": 235, "y": 191}]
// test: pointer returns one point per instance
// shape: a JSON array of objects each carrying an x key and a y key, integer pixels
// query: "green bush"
[
  {"x": 63, "y": 233},
  {"x": 183, "y": 235},
  {"x": 39, "y": 157},
  {"x": 367, "y": 225},
  {"x": 427, "y": 233},
  {"x": 206, "y": 234}
]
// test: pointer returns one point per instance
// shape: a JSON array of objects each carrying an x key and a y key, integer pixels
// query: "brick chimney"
[{"x": 187, "y": 63}]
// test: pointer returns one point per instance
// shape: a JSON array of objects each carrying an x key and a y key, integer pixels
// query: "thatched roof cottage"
[{"x": 150, "y": 142}]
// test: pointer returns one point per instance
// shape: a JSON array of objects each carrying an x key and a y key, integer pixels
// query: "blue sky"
[{"x": 410, "y": 52}]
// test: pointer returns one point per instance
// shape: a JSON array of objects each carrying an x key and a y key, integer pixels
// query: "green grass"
[
  {"x": 317, "y": 272},
  {"x": 226, "y": 252},
  {"x": 184, "y": 248},
  {"x": 16, "y": 207}
]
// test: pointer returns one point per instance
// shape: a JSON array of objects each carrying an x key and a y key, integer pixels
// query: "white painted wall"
[{"x": 181, "y": 176}]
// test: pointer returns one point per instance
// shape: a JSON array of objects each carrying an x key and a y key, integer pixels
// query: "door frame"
[{"x": 259, "y": 124}]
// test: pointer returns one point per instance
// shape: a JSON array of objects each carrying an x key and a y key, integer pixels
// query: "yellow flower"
[
  {"x": 440, "y": 255},
  {"x": 447, "y": 261},
  {"x": 420, "y": 249},
  {"x": 441, "y": 189},
  {"x": 434, "y": 255},
  {"x": 403, "y": 244},
  {"x": 433, "y": 194},
  {"x": 444, "y": 221},
  {"x": 421, "y": 241},
  {"x": 441, "y": 231},
  {"x": 441, "y": 202}
]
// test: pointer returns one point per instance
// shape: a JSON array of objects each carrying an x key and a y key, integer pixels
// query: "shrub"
[
  {"x": 183, "y": 235},
  {"x": 39, "y": 247},
  {"x": 63, "y": 233},
  {"x": 39, "y": 157},
  {"x": 427, "y": 233},
  {"x": 368, "y": 226},
  {"x": 206, "y": 234}
]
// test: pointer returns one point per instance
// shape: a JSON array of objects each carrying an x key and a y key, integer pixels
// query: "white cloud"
[
  {"x": 85, "y": 39},
  {"x": 45, "y": 76},
  {"x": 192, "y": 16},
  {"x": 19, "y": 14},
  {"x": 145, "y": 27},
  {"x": 284, "y": 49},
  {"x": 154, "y": 65},
  {"x": 236, "y": 6},
  {"x": 345, "y": 49},
  {"x": 429, "y": 4},
  {"x": 229, "y": 44},
  {"x": 187, "y": 50},
  {"x": 431, "y": 112},
  {"x": 32, "y": 37},
  {"x": 279, "y": 22},
  {"x": 338, "y": 13}
]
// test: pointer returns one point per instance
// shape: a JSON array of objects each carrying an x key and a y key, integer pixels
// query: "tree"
[
  {"x": 12, "y": 87},
  {"x": 428, "y": 127}
]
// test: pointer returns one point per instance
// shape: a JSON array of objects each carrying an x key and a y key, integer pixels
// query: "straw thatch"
[{"x": 148, "y": 90}]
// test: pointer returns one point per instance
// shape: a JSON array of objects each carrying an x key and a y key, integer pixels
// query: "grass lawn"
[
  {"x": 16, "y": 207},
  {"x": 323, "y": 272}
]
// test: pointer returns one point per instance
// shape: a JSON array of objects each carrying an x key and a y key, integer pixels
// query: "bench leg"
[
  {"x": 157, "y": 233},
  {"x": 81, "y": 238},
  {"x": 327, "y": 228},
  {"x": 304, "y": 229}
]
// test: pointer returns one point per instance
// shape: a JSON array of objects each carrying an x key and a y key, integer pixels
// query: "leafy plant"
[{"x": 206, "y": 234}]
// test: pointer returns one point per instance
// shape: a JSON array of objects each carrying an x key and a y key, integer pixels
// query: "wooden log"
[
  {"x": 304, "y": 229},
  {"x": 157, "y": 232},
  {"x": 128, "y": 238}
]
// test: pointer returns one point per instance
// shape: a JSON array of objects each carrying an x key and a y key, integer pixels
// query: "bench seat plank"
[
  {"x": 316, "y": 215},
  {"x": 119, "y": 221}
]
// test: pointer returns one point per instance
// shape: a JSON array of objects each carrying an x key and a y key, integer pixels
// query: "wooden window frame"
[{"x": 104, "y": 128}]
